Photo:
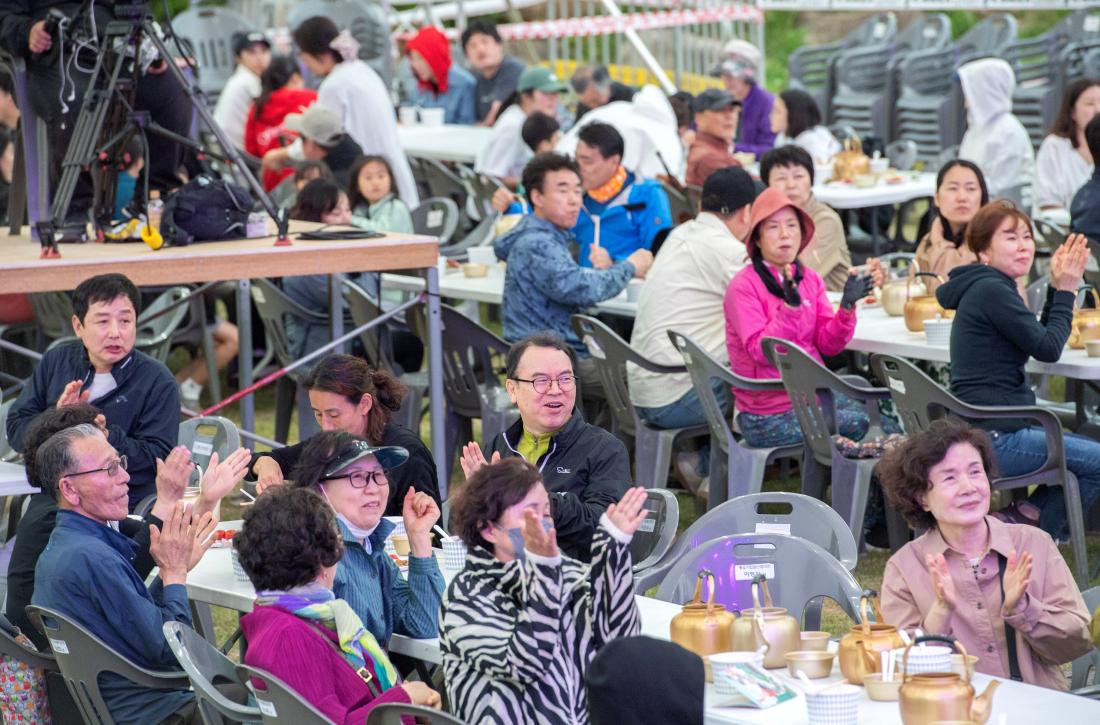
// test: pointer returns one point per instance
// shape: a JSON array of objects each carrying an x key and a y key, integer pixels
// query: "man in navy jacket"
[{"x": 137, "y": 394}]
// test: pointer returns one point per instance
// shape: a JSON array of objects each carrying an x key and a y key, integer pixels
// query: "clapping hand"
[
  {"x": 71, "y": 395},
  {"x": 173, "y": 473},
  {"x": 942, "y": 583},
  {"x": 537, "y": 539},
  {"x": 204, "y": 537},
  {"x": 1067, "y": 264},
  {"x": 627, "y": 515},
  {"x": 221, "y": 477},
  {"x": 171, "y": 545},
  {"x": 472, "y": 459},
  {"x": 1017, "y": 577}
]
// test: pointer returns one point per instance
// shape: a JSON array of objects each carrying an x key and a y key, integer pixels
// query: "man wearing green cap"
[{"x": 506, "y": 153}]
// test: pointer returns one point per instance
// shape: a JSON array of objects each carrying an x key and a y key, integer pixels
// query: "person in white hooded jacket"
[{"x": 995, "y": 140}]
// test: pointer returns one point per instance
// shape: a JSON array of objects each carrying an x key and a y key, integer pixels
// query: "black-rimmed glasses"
[
  {"x": 541, "y": 383},
  {"x": 362, "y": 479}
]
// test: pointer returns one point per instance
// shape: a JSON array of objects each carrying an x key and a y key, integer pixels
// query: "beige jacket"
[
  {"x": 939, "y": 256},
  {"x": 827, "y": 253},
  {"x": 1051, "y": 622}
]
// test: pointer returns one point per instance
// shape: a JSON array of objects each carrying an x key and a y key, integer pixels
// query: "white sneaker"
[{"x": 189, "y": 394}]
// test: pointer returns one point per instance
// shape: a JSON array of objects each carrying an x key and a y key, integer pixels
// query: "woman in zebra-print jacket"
[{"x": 520, "y": 623}]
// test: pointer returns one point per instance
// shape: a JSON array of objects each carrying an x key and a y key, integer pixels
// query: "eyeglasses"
[
  {"x": 541, "y": 383},
  {"x": 111, "y": 468},
  {"x": 362, "y": 479}
]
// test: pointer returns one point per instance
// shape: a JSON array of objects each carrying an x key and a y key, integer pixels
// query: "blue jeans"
[
  {"x": 687, "y": 412},
  {"x": 1023, "y": 451},
  {"x": 783, "y": 429}
]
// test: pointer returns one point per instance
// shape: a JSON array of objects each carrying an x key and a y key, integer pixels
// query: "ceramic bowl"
[
  {"x": 864, "y": 181},
  {"x": 938, "y": 332},
  {"x": 882, "y": 691},
  {"x": 815, "y": 641},
  {"x": 957, "y": 665},
  {"x": 475, "y": 270},
  {"x": 814, "y": 664},
  {"x": 1092, "y": 348}
]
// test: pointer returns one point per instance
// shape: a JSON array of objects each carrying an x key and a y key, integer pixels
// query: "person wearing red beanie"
[{"x": 440, "y": 83}]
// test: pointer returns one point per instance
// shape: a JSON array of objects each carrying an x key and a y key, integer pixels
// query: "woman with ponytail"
[
  {"x": 348, "y": 395},
  {"x": 283, "y": 92},
  {"x": 777, "y": 296}
]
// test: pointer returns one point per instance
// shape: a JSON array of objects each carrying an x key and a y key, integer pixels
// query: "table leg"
[
  {"x": 244, "y": 356},
  {"x": 336, "y": 308},
  {"x": 435, "y": 380},
  {"x": 204, "y": 621}
]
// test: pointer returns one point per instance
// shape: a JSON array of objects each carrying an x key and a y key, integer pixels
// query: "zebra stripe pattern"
[{"x": 517, "y": 638}]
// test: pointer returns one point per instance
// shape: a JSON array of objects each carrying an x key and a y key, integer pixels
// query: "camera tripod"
[{"x": 108, "y": 108}]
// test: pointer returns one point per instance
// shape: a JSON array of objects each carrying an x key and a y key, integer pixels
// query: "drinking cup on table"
[
  {"x": 454, "y": 553},
  {"x": 408, "y": 115},
  {"x": 634, "y": 289},
  {"x": 835, "y": 706},
  {"x": 925, "y": 658},
  {"x": 401, "y": 545},
  {"x": 432, "y": 116},
  {"x": 815, "y": 641},
  {"x": 482, "y": 255}
]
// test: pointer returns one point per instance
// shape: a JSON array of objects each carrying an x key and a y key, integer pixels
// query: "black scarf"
[{"x": 769, "y": 279}]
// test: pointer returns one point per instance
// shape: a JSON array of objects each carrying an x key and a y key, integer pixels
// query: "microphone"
[{"x": 53, "y": 24}]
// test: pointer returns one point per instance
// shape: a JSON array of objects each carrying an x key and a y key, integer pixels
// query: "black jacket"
[
  {"x": 341, "y": 157},
  {"x": 994, "y": 334},
  {"x": 586, "y": 470},
  {"x": 17, "y": 17},
  {"x": 418, "y": 471},
  {"x": 142, "y": 413},
  {"x": 31, "y": 537}
]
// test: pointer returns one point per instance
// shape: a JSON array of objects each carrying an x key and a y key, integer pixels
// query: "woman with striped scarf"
[{"x": 521, "y": 623}]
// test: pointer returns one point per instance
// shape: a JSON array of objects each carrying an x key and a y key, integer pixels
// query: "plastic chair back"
[
  {"x": 6, "y": 452},
  {"x": 798, "y": 572},
  {"x": 376, "y": 340},
  {"x": 274, "y": 305},
  {"x": 207, "y": 435},
  {"x": 654, "y": 537},
  {"x": 53, "y": 314},
  {"x": 209, "y": 31},
  {"x": 367, "y": 23},
  {"x": 10, "y": 647},
  {"x": 988, "y": 38},
  {"x": 390, "y": 713},
  {"x": 902, "y": 153},
  {"x": 206, "y": 667},
  {"x": 278, "y": 703},
  {"x": 436, "y": 217},
  {"x": 1089, "y": 663},
  {"x": 154, "y": 336},
  {"x": 82, "y": 658}
]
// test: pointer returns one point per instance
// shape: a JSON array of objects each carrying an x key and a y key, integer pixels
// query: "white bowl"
[{"x": 938, "y": 332}]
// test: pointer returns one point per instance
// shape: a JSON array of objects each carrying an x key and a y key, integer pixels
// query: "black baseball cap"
[
  {"x": 713, "y": 99},
  {"x": 388, "y": 456},
  {"x": 244, "y": 41},
  {"x": 727, "y": 190}
]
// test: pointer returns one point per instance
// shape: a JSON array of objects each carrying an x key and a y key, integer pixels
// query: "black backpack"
[{"x": 205, "y": 209}]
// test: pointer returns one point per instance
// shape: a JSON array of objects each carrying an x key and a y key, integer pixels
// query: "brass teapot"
[
  {"x": 703, "y": 627},
  {"x": 1086, "y": 323},
  {"x": 895, "y": 293},
  {"x": 851, "y": 162},
  {"x": 860, "y": 650},
  {"x": 922, "y": 307},
  {"x": 766, "y": 626},
  {"x": 935, "y": 696}
]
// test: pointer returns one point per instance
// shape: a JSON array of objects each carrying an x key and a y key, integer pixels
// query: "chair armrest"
[
  {"x": 653, "y": 367},
  {"x": 1049, "y": 422}
]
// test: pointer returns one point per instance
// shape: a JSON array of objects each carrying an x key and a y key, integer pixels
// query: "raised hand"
[
  {"x": 536, "y": 539},
  {"x": 502, "y": 199},
  {"x": 268, "y": 473},
  {"x": 627, "y": 515},
  {"x": 1067, "y": 264},
  {"x": 472, "y": 459},
  {"x": 877, "y": 272},
  {"x": 599, "y": 257},
  {"x": 204, "y": 538},
  {"x": 942, "y": 583},
  {"x": 173, "y": 473},
  {"x": 420, "y": 513},
  {"x": 221, "y": 477},
  {"x": 856, "y": 287},
  {"x": 171, "y": 545},
  {"x": 71, "y": 395},
  {"x": 1017, "y": 577}
]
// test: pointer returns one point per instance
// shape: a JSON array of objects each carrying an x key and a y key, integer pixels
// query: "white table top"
[
  {"x": 847, "y": 196},
  {"x": 444, "y": 143},
  {"x": 13, "y": 480}
]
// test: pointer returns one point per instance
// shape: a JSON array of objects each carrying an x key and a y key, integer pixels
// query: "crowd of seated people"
[{"x": 541, "y": 622}]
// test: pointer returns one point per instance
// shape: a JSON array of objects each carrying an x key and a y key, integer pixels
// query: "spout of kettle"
[{"x": 982, "y": 706}]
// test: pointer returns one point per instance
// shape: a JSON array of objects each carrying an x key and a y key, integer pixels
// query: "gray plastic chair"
[
  {"x": 86, "y": 657},
  {"x": 652, "y": 446},
  {"x": 367, "y": 23},
  {"x": 799, "y": 574},
  {"x": 470, "y": 383},
  {"x": 731, "y": 459},
  {"x": 273, "y": 306},
  {"x": 206, "y": 667},
  {"x": 443, "y": 182},
  {"x": 154, "y": 336},
  {"x": 919, "y": 401},
  {"x": 206, "y": 435},
  {"x": 681, "y": 206},
  {"x": 807, "y": 519},
  {"x": 6, "y": 452},
  {"x": 53, "y": 316},
  {"x": 654, "y": 537},
  {"x": 390, "y": 713},
  {"x": 812, "y": 389},
  {"x": 1089, "y": 663},
  {"x": 378, "y": 347},
  {"x": 209, "y": 30},
  {"x": 62, "y": 707},
  {"x": 436, "y": 217},
  {"x": 278, "y": 703}
]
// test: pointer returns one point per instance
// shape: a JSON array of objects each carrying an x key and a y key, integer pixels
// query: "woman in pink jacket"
[{"x": 777, "y": 296}]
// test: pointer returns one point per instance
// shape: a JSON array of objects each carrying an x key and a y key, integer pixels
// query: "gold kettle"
[
  {"x": 922, "y": 307},
  {"x": 860, "y": 650},
  {"x": 934, "y": 696},
  {"x": 851, "y": 162},
  {"x": 1086, "y": 323},
  {"x": 895, "y": 293},
  {"x": 766, "y": 626},
  {"x": 703, "y": 627}
]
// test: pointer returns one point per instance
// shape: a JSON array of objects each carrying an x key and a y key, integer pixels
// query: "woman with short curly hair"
[
  {"x": 299, "y": 631},
  {"x": 1001, "y": 589}
]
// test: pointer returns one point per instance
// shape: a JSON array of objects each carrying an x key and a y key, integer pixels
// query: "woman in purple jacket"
[
  {"x": 298, "y": 631},
  {"x": 740, "y": 63}
]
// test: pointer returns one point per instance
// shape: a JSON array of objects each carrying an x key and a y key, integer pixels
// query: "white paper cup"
[
  {"x": 927, "y": 658},
  {"x": 836, "y": 706},
  {"x": 634, "y": 289},
  {"x": 720, "y": 663},
  {"x": 408, "y": 115},
  {"x": 432, "y": 116},
  {"x": 482, "y": 255},
  {"x": 454, "y": 553}
]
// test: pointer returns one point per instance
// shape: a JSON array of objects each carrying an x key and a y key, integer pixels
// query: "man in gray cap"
[
  {"x": 684, "y": 291},
  {"x": 253, "y": 54},
  {"x": 740, "y": 64},
  {"x": 322, "y": 138},
  {"x": 716, "y": 114}
]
